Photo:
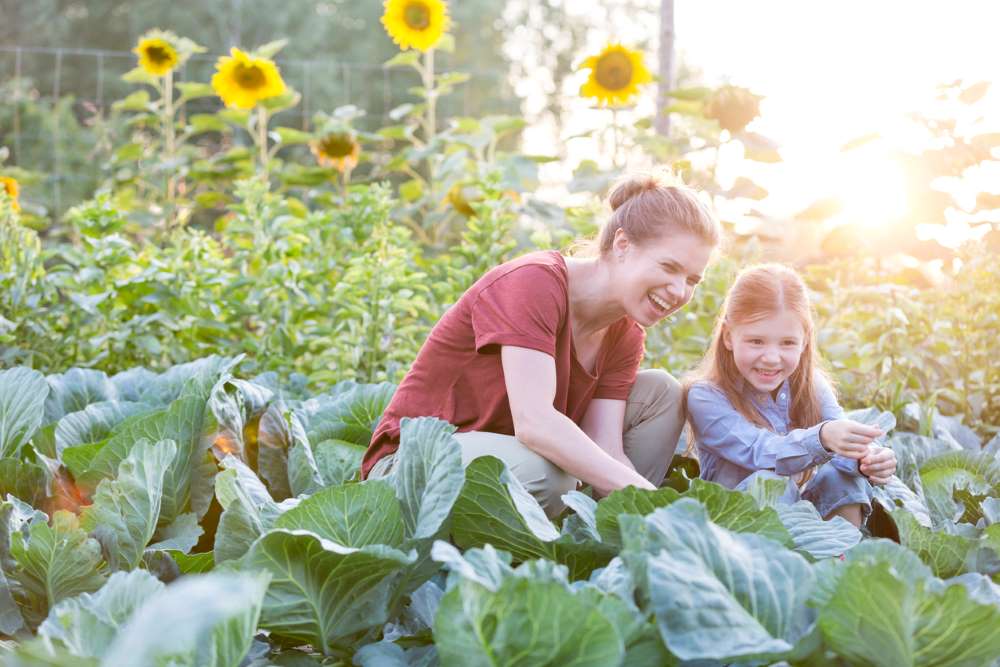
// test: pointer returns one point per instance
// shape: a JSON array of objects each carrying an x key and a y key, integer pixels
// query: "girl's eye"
[{"x": 756, "y": 341}]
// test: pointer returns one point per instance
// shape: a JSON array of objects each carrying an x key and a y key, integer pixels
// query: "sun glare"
[{"x": 871, "y": 187}]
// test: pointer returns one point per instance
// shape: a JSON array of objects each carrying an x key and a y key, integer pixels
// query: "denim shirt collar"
[{"x": 773, "y": 409}]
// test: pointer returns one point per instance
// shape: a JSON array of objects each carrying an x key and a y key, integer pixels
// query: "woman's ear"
[{"x": 620, "y": 244}]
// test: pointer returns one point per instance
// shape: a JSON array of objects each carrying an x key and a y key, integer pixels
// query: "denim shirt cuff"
[{"x": 819, "y": 453}]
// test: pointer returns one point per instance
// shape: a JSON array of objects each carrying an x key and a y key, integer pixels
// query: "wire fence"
[{"x": 92, "y": 80}]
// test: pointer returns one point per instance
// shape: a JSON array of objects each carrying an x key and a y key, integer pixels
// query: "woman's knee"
[
  {"x": 655, "y": 386},
  {"x": 545, "y": 481}
]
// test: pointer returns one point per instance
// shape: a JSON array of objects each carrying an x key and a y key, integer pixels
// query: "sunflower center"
[
  {"x": 249, "y": 76},
  {"x": 158, "y": 54},
  {"x": 614, "y": 71},
  {"x": 417, "y": 16},
  {"x": 337, "y": 145}
]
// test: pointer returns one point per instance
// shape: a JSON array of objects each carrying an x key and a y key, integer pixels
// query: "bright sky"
[{"x": 831, "y": 72}]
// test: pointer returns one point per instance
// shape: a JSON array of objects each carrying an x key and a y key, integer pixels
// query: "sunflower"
[
  {"x": 242, "y": 80},
  {"x": 157, "y": 55},
  {"x": 12, "y": 189},
  {"x": 339, "y": 149},
  {"x": 416, "y": 24},
  {"x": 733, "y": 107},
  {"x": 615, "y": 75}
]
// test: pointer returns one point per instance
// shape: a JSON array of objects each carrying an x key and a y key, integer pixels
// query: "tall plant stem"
[
  {"x": 430, "y": 122},
  {"x": 262, "y": 139},
  {"x": 170, "y": 141}
]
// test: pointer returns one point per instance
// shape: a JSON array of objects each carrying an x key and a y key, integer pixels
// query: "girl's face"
[
  {"x": 658, "y": 277},
  {"x": 767, "y": 351}
]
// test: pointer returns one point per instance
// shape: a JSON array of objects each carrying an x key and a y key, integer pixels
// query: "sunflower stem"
[
  {"x": 170, "y": 141},
  {"x": 262, "y": 138},
  {"x": 430, "y": 126}
]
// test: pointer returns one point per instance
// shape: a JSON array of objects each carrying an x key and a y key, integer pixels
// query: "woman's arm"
[
  {"x": 604, "y": 423},
  {"x": 530, "y": 377}
]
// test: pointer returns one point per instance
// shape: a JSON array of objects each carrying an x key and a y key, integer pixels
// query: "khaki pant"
[{"x": 653, "y": 422}]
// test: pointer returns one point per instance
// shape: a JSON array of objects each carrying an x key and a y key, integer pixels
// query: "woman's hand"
[
  {"x": 878, "y": 465},
  {"x": 848, "y": 437}
]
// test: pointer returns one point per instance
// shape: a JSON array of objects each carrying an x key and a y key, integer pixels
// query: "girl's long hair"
[{"x": 759, "y": 292}]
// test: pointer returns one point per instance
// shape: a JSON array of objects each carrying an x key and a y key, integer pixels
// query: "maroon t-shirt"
[{"x": 458, "y": 377}]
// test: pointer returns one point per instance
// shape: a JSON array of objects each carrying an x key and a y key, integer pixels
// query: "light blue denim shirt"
[{"x": 731, "y": 447}]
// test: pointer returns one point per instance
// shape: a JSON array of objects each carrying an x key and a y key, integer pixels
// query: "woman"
[{"x": 538, "y": 362}]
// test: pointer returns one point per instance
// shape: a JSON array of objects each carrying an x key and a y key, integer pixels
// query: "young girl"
[{"x": 760, "y": 405}]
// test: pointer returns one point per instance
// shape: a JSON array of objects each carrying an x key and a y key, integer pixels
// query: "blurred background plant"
[{"x": 204, "y": 203}]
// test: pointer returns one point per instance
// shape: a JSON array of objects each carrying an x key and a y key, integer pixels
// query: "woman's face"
[{"x": 659, "y": 276}]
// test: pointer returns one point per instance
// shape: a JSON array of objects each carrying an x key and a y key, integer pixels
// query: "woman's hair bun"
[{"x": 627, "y": 187}]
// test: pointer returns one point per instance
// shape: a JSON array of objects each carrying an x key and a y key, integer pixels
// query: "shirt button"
[{"x": 781, "y": 396}]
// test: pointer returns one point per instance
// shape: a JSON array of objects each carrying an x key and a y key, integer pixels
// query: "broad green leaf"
[
  {"x": 95, "y": 422},
  {"x": 87, "y": 624},
  {"x": 323, "y": 593},
  {"x": 767, "y": 491},
  {"x": 191, "y": 90},
  {"x": 494, "y": 508},
  {"x": 74, "y": 390},
  {"x": 428, "y": 475},
  {"x": 180, "y": 535},
  {"x": 912, "y": 451},
  {"x": 353, "y": 515},
  {"x": 404, "y": 59},
  {"x": 23, "y": 480},
  {"x": 211, "y": 618},
  {"x": 814, "y": 537},
  {"x": 755, "y": 587},
  {"x": 11, "y": 620},
  {"x": 390, "y": 654},
  {"x": 874, "y": 417},
  {"x": 248, "y": 510},
  {"x": 351, "y": 415},
  {"x": 303, "y": 473},
  {"x": 125, "y": 510},
  {"x": 22, "y": 408},
  {"x": 629, "y": 500},
  {"x": 273, "y": 440},
  {"x": 55, "y": 562},
  {"x": 878, "y": 616},
  {"x": 189, "y": 474},
  {"x": 193, "y": 563},
  {"x": 896, "y": 495},
  {"x": 945, "y": 554},
  {"x": 195, "y": 378},
  {"x": 131, "y": 384},
  {"x": 585, "y": 508},
  {"x": 900, "y": 560},
  {"x": 79, "y": 458},
  {"x": 234, "y": 404},
  {"x": 487, "y": 566},
  {"x": 523, "y": 622},
  {"x": 737, "y": 511},
  {"x": 338, "y": 461},
  {"x": 945, "y": 474}
]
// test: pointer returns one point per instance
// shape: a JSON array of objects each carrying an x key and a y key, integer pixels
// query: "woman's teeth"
[{"x": 658, "y": 302}]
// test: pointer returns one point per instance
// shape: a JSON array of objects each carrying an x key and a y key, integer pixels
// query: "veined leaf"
[
  {"x": 74, "y": 390},
  {"x": 87, "y": 624},
  {"x": 523, "y": 622},
  {"x": 95, "y": 422},
  {"x": 323, "y": 593},
  {"x": 943, "y": 475},
  {"x": 190, "y": 473},
  {"x": 22, "y": 408},
  {"x": 428, "y": 476},
  {"x": 755, "y": 587},
  {"x": 23, "y": 480},
  {"x": 494, "y": 508},
  {"x": 212, "y": 620},
  {"x": 248, "y": 510},
  {"x": 56, "y": 562},
  {"x": 353, "y": 515},
  {"x": 815, "y": 537},
  {"x": 125, "y": 510},
  {"x": 338, "y": 461},
  {"x": 350, "y": 416}
]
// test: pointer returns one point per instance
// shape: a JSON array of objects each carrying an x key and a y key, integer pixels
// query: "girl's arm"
[
  {"x": 721, "y": 429},
  {"x": 530, "y": 377},
  {"x": 877, "y": 466}
]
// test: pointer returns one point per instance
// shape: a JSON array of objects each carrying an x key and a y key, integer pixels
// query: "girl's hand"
[
  {"x": 848, "y": 437},
  {"x": 878, "y": 465}
]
